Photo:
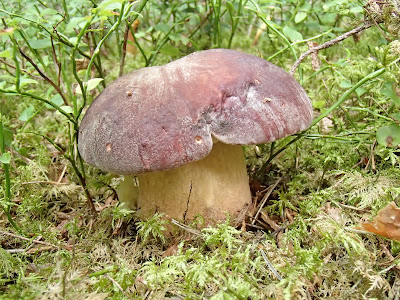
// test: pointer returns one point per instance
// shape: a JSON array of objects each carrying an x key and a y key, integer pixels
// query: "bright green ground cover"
[{"x": 336, "y": 175}]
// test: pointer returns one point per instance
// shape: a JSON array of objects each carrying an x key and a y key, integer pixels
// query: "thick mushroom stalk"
[
  {"x": 210, "y": 187},
  {"x": 159, "y": 123}
]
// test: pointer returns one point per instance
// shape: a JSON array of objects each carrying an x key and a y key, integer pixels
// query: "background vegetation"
[{"x": 63, "y": 233}]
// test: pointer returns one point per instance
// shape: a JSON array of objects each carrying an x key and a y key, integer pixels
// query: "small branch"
[
  {"x": 329, "y": 44},
  {"x": 26, "y": 239},
  {"x": 117, "y": 285},
  {"x": 265, "y": 198},
  {"x": 270, "y": 266},
  {"x": 25, "y": 71},
  {"x": 56, "y": 61},
  {"x": 57, "y": 88},
  {"x": 44, "y": 182},
  {"x": 185, "y": 227},
  {"x": 205, "y": 18},
  {"x": 123, "y": 54}
]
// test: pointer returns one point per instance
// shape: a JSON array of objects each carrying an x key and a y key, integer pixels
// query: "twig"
[
  {"x": 255, "y": 226},
  {"x": 14, "y": 250},
  {"x": 37, "y": 250},
  {"x": 117, "y": 285},
  {"x": 44, "y": 182},
  {"x": 351, "y": 207},
  {"x": 26, "y": 239},
  {"x": 372, "y": 159},
  {"x": 25, "y": 71},
  {"x": 123, "y": 54},
  {"x": 270, "y": 266},
  {"x": 26, "y": 159},
  {"x": 185, "y": 227},
  {"x": 56, "y": 61},
  {"x": 265, "y": 198},
  {"x": 57, "y": 88},
  {"x": 329, "y": 44},
  {"x": 266, "y": 226},
  {"x": 62, "y": 174},
  {"x": 205, "y": 18}
]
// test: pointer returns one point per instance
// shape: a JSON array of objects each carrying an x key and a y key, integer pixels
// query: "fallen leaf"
[
  {"x": 386, "y": 223},
  {"x": 172, "y": 250},
  {"x": 269, "y": 221}
]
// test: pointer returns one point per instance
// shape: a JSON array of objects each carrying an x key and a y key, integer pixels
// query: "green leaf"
[
  {"x": 169, "y": 50},
  {"x": 5, "y": 158},
  {"x": 40, "y": 44},
  {"x": 106, "y": 13},
  {"x": 109, "y": 4},
  {"x": 231, "y": 8},
  {"x": 6, "y": 53},
  {"x": 388, "y": 91},
  {"x": 162, "y": 27},
  {"x": 360, "y": 91},
  {"x": 7, "y": 78},
  {"x": 7, "y": 135},
  {"x": 57, "y": 100},
  {"x": 48, "y": 11},
  {"x": 357, "y": 9},
  {"x": 25, "y": 81},
  {"x": 300, "y": 17},
  {"x": 67, "y": 109},
  {"x": 345, "y": 84},
  {"x": 93, "y": 83},
  {"x": 397, "y": 116},
  {"x": 27, "y": 114},
  {"x": 74, "y": 22},
  {"x": 292, "y": 34},
  {"x": 388, "y": 136},
  {"x": 177, "y": 37},
  {"x": 319, "y": 104}
]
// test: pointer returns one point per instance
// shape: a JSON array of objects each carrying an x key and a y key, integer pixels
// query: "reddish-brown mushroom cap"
[{"x": 159, "y": 118}]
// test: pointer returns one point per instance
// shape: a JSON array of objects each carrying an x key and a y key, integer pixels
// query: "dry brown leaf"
[
  {"x": 269, "y": 221},
  {"x": 386, "y": 223}
]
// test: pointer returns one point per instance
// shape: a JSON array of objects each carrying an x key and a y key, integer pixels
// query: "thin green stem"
[
  {"x": 298, "y": 42},
  {"x": 74, "y": 69},
  {"x": 323, "y": 115},
  {"x": 368, "y": 111},
  {"x": 271, "y": 26},
  {"x": 17, "y": 67},
  {"x": 347, "y": 94},
  {"x": 58, "y": 37},
  {"x": 24, "y": 94},
  {"x": 7, "y": 187},
  {"x": 235, "y": 23},
  {"x": 162, "y": 43},
  {"x": 73, "y": 164}
]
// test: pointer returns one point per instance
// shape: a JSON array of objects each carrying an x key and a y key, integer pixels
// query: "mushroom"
[{"x": 179, "y": 128}]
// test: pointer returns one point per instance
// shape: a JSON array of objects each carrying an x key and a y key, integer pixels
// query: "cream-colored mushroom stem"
[{"x": 211, "y": 187}]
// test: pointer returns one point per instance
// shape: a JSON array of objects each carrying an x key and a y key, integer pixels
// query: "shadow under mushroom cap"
[{"x": 158, "y": 118}]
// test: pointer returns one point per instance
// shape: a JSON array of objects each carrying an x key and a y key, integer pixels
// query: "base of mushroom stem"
[{"x": 212, "y": 188}]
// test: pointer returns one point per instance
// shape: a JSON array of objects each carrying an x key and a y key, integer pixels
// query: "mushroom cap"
[{"x": 158, "y": 118}]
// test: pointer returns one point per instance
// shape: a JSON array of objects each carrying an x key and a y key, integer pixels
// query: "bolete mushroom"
[{"x": 179, "y": 128}]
